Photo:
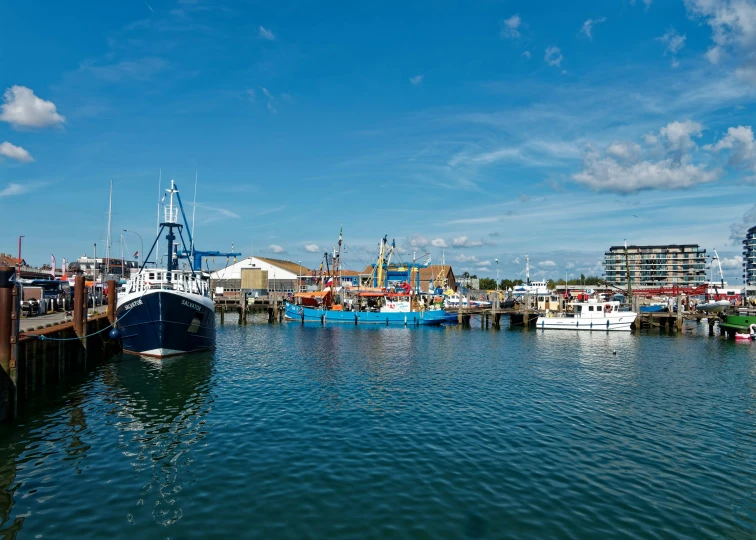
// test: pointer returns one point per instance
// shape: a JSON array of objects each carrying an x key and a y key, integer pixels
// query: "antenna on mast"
[
  {"x": 194, "y": 213},
  {"x": 157, "y": 225}
]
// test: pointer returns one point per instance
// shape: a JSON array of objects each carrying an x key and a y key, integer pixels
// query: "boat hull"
[
  {"x": 409, "y": 318},
  {"x": 164, "y": 323},
  {"x": 609, "y": 324}
]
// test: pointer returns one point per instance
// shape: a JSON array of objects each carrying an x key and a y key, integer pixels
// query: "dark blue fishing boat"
[{"x": 167, "y": 311}]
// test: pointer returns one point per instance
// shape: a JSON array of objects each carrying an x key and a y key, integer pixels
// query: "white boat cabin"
[{"x": 177, "y": 280}]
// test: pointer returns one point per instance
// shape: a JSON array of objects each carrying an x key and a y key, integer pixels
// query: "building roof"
[
  {"x": 289, "y": 266},
  {"x": 9, "y": 260},
  {"x": 290, "y": 270}
]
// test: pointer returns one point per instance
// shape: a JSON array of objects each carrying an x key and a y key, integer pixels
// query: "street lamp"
[
  {"x": 141, "y": 245},
  {"x": 299, "y": 277},
  {"x": 18, "y": 263}
]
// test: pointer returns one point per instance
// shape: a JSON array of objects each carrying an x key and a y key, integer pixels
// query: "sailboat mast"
[
  {"x": 157, "y": 222},
  {"x": 110, "y": 218},
  {"x": 194, "y": 213}
]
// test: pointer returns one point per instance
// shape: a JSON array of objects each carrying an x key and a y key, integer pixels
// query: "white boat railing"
[{"x": 176, "y": 280}]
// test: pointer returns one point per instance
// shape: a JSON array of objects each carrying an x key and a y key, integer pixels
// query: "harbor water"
[{"x": 303, "y": 431}]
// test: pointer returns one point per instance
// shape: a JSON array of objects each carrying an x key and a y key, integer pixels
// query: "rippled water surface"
[{"x": 303, "y": 431}]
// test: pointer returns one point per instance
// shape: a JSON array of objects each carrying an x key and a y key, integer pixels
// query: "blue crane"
[{"x": 194, "y": 255}]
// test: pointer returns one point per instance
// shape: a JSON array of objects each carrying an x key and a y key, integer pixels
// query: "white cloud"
[
  {"x": 605, "y": 174},
  {"x": 732, "y": 22},
  {"x": 735, "y": 262},
  {"x": 553, "y": 56},
  {"x": 667, "y": 164},
  {"x": 679, "y": 135},
  {"x": 547, "y": 264},
  {"x": 439, "y": 243},
  {"x": 738, "y": 230},
  {"x": 672, "y": 41},
  {"x": 13, "y": 189},
  {"x": 417, "y": 240},
  {"x": 516, "y": 260},
  {"x": 312, "y": 248},
  {"x": 271, "y": 101},
  {"x": 526, "y": 54},
  {"x": 465, "y": 242},
  {"x": 417, "y": 79},
  {"x": 264, "y": 33},
  {"x": 23, "y": 109},
  {"x": 587, "y": 27},
  {"x": 623, "y": 150},
  {"x": 739, "y": 143},
  {"x": 141, "y": 70},
  {"x": 646, "y": 3},
  {"x": 15, "y": 152},
  {"x": 462, "y": 258},
  {"x": 485, "y": 158},
  {"x": 276, "y": 248},
  {"x": 510, "y": 28},
  {"x": 733, "y": 30}
]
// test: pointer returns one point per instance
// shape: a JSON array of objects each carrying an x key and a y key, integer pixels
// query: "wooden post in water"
[
  {"x": 80, "y": 299},
  {"x": 679, "y": 321},
  {"x": 526, "y": 315},
  {"x": 112, "y": 296},
  {"x": 6, "y": 315},
  {"x": 223, "y": 313}
]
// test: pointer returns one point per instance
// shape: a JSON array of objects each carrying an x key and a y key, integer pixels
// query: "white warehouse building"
[{"x": 282, "y": 276}]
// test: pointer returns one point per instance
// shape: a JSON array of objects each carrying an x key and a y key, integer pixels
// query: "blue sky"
[{"x": 485, "y": 130}]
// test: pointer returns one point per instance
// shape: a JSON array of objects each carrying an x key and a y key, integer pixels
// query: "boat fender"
[
  {"x": 300, "y": 311},
  {"x": 550, "y": 315}
]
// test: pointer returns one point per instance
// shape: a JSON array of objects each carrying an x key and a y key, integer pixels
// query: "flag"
[
  {"x": 52, "y": 268},
  {"x": 427, "y": 263},
  {"x": 329, "y": 282},
  {"x": 136, "y": 254}
]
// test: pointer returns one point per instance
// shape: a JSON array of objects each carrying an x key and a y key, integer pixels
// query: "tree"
[{"x": 487, "y": 284}]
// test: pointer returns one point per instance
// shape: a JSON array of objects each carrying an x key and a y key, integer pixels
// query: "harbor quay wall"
[
  {"x": 46, "y": 357},
  {"x": 34, "y": 360}
]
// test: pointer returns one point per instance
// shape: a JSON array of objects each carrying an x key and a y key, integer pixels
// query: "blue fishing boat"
[
  {"x": 387, "y": 299},
  {"x": 167, "y": 311},
  {"x": 324, "y": 315},
  {"x": 654, "y": 308}
]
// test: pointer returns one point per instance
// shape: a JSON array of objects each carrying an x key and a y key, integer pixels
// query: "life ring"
[
  {"x": 607, "y": 308},
  {"x": 300, "y": 311}
]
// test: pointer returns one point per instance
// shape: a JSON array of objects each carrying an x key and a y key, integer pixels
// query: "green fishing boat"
[{"x": 737, "y": 323}]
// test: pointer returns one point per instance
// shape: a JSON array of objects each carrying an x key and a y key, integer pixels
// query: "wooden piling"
[
  {"x": 112, "y": 296},
  {"x": 679, "y": 321},
  {"x": 223, "y": 314},
  {"x": 80, "y": 301},
  {"x": 6, "y": 315}
]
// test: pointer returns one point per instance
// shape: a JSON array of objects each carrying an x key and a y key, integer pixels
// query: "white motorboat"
[
  {"x": 452, "y": 301},
  {"x": 530, "y": 287},
  {"x": 716, "y": 306},
  {"x": 590, "y": 315}
]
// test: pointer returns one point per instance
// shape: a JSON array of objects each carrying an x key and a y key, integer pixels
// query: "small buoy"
[
  {"x": 114, "y": 333},
  {"x": 614, "y": 353}
]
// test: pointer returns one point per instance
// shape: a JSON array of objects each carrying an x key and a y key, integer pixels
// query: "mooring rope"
[{"x": 45, "y": 338}]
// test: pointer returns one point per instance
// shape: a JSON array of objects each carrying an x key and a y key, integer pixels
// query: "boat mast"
[
  {"x": 338, "y": 262},
  {"x": 527, "y": 269},
  {"x": 171, "y": 221},
  {"x": 381, "y": 253},
  {"x": 157, "y": 224},
  {"x": 110, "y": 218},
  {"x": 194, "y": 213}
]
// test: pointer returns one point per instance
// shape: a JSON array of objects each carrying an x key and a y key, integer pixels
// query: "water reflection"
[{"x": 159, "y": 407}]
